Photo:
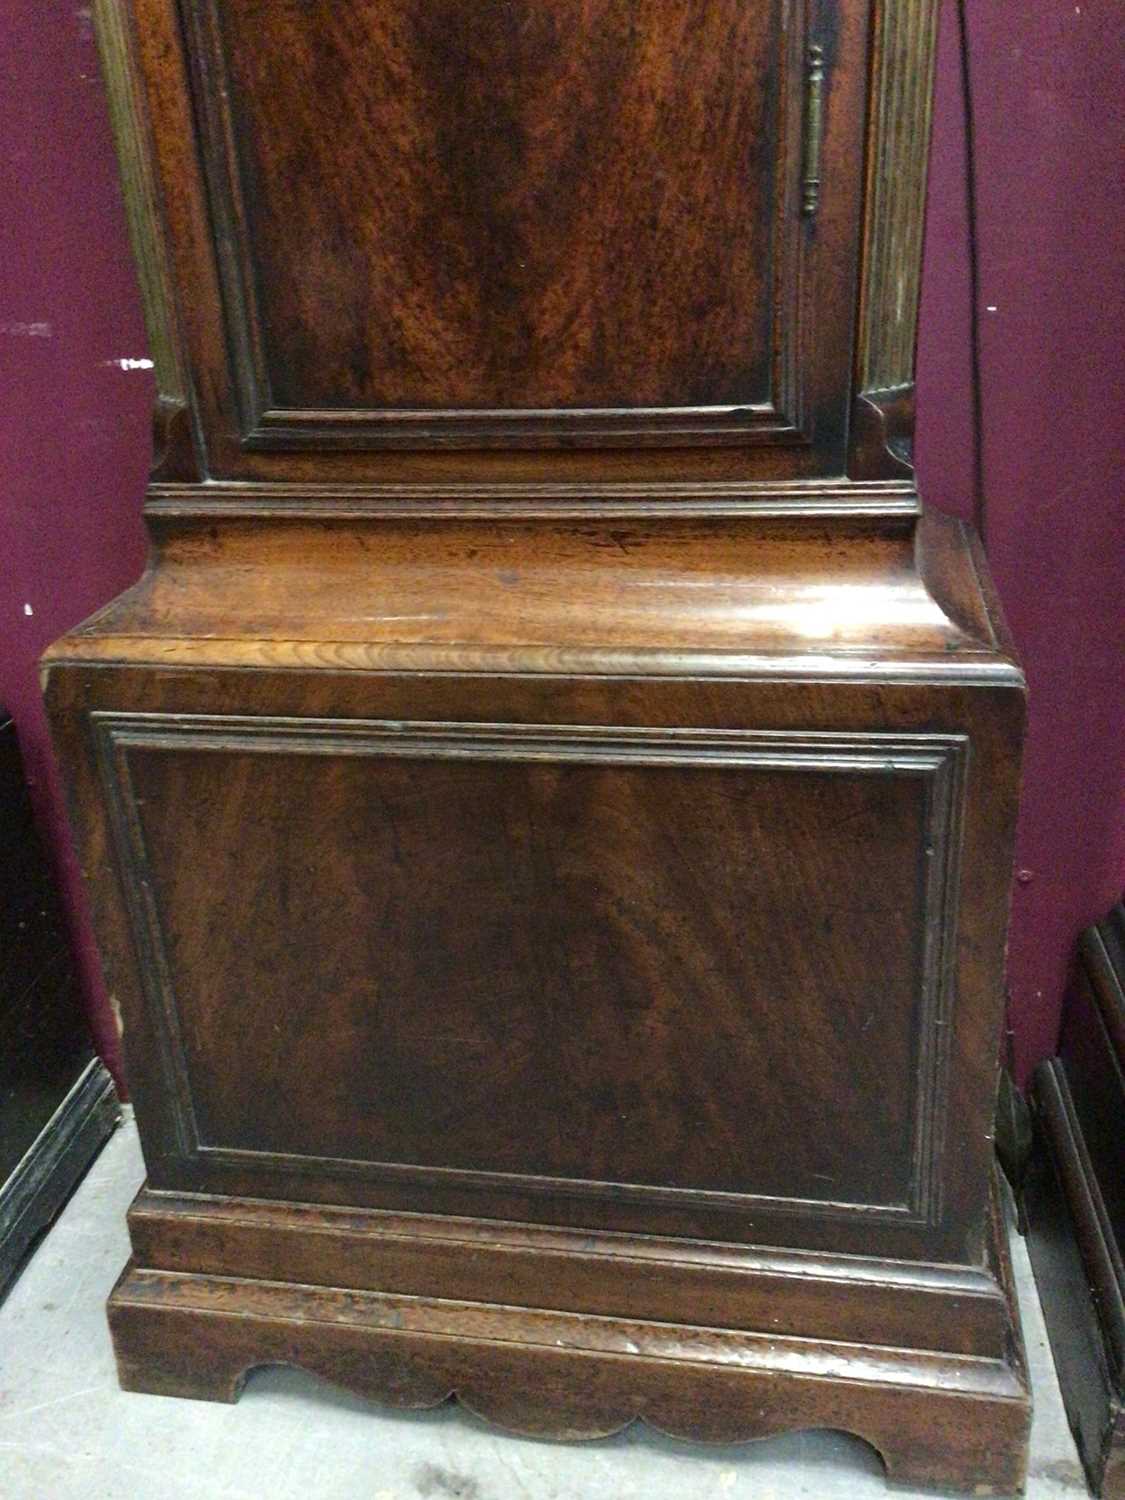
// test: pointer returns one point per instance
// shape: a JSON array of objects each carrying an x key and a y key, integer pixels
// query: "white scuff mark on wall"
[
  {"x": 28, "y": 330},
  {"x": 128, "y": 364},
  {"x": 992, "y": 307},
  {"x": 27, "y": 609}
]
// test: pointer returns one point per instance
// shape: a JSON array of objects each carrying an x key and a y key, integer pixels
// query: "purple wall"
[
  {"x": 74, "y": 426},
  {"x": 1047, "y": 79},
  {"x": 74, "y": 423}
]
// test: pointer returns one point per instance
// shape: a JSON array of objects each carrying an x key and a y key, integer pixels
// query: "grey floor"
[{"x": 66, "y": 1431}]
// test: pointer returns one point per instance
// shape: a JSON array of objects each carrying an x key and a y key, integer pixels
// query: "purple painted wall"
[
  {"x": 1047, "y": 80},
  {"x": 74, "y": 426},
  {"x": 1047, "y": 77}
]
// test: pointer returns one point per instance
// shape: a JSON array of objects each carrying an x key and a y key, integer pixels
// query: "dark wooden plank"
[
  {"x": 1075, "y": 1205},
  {"x": 559, "y": 260},
  {"x": 57, "y": 1104},
  {"x": 44, "y": 1041},
  {"x": 53, "y": 1164}
]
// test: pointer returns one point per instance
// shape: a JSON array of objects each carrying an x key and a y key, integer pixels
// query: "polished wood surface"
[
  {"x": 868, "y": 598},
  {"x": 602, "y": 246},
  {"x": 549, "y": 802},
  {"x": 606, "y": 1042},
  {"x": 520, "y": 830},
  {"x": 934, "y": 1418},
  {"x": 668, "y": 1278},
  {"x": 516, "y": 137},
  {"x": 581, "y": 294}
]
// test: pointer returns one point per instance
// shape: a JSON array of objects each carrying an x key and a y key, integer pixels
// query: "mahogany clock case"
[{"x": 548, "y": 804}]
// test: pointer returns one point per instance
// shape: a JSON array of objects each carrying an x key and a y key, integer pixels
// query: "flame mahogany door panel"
[{"x": 444, "y": 224}]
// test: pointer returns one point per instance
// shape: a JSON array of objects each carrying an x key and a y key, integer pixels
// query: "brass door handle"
[{"x": 814, "y": 129}]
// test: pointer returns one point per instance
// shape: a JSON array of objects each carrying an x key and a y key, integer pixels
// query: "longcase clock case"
[{"x": 548, "y": 803}]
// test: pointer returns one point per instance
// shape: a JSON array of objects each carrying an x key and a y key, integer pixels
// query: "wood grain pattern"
[
  {"x": 586, "y": 1100},
  {"x": 863, "y": 73},
  {"x": 669, "y": 1278},
  {"x": 868, "y": 599},
  {"x": 508, "y": 499},
  {"x": 934, "y": 1418},
  {"x": 549, "y": 802},
  {"x": 901, "y": 105},
  {"x": 554, "y": 154},
  {"x": 797, "y": 700},
  {"x": 176, "y": 447},
  {"x": 612, "y": 851},
  {"x": 598, "y": 254}
]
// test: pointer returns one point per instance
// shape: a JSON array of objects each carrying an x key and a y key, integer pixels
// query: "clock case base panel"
[
  {"x": 383, "y": 1305},
  {"x": 864, "y": 658}
]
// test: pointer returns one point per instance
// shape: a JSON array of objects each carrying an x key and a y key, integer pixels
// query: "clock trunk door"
[{"x": 549, "y": 224}]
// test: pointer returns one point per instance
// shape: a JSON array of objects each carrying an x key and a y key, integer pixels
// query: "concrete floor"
[{"x": 66, "y": 1431}]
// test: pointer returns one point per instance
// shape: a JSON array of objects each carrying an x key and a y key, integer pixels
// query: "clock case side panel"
[
  {"x": 960, "y": 1115},
  {"x": 496, "y": 893}
]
